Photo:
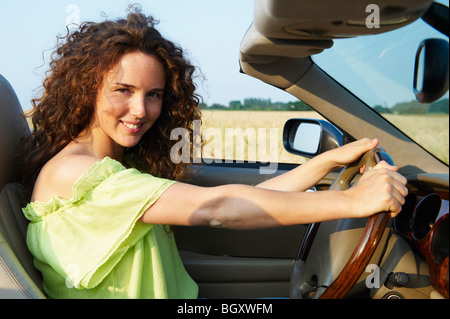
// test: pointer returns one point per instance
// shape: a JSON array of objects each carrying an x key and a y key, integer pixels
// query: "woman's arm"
[
  {"x": 245, "y": 207},
  {"x": 310, "y": 173}
]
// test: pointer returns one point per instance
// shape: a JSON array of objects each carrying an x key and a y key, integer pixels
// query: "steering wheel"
[{"x": 316, "y": 276}]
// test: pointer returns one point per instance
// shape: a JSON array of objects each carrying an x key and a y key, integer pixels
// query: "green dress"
[{"x": 93, "y": 246}]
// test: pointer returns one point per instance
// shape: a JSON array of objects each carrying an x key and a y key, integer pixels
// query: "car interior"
[{"x": 301, "y": 261}]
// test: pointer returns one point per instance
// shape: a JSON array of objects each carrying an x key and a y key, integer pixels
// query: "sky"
[
  {"x": 210, "y": 32},
  {"x": 379, "y": 69}
]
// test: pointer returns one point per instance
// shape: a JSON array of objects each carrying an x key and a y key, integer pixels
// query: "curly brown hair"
[{"x": 77, "y": 68}]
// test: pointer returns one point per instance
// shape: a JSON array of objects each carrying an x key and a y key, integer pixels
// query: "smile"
[{"x": 133, "y": 128}]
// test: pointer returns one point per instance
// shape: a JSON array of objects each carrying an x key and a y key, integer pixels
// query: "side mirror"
[
  {"x": 310, "y": 137},
  {"x": 431, "y": 70}
]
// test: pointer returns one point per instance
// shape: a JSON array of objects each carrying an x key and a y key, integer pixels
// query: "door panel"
[
  {"x": 238, "y": 277},
  {"x": 239, "y": 263}
]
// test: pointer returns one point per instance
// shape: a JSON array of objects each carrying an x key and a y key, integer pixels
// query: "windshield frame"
[{"x": 361, "y": 71}]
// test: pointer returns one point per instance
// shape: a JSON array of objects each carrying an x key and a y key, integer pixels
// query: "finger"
[
  {"x": 400, "y": 181},
  {"x": 384, "y": 164},
  {"x": 367, "y": 144},
  {"x": 381, "y": 171},
  {"x": 363, "y": 145},
  {"x": 400, "y": 184},
  {"x": 397, "y": 180},
  {"x": 398, "y": 192},
  {"x": 362, "y": 169},
  {"x": 394, "y": 203},
  {"x": 396, "y": 208},
  {"x": 375, "y": 142}
]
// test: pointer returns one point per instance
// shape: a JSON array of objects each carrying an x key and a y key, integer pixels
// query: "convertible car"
[{"x": 368, "y": 70}]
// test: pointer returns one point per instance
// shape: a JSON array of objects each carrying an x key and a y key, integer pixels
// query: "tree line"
[
  {"x": 414, "y": 107},
  {"x": 260, "y": 104}
]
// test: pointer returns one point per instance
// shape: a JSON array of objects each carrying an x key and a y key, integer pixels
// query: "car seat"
[{"x": 18, "y": 277}]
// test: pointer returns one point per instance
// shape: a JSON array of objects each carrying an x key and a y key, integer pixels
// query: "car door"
[{"x": 229, "y": 263}]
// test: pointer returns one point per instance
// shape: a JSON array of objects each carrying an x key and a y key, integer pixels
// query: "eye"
[
  {"x": 155, "y": 95},
  {"x": 123, "y": 90}
]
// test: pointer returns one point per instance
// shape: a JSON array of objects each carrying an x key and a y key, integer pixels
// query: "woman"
[{"x": 115, "y": 92}]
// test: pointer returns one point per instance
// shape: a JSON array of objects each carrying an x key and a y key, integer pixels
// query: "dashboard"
[{"x": 424, "y": 224}]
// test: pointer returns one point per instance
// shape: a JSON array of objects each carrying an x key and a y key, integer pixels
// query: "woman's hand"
[
  {"x": 380, "y": 189},
  {"x": 350, "y": 152},
  {"x": 310, "y": 173}
]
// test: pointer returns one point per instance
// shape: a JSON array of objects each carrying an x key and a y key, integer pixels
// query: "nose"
[{"x": 138, "y": 108}]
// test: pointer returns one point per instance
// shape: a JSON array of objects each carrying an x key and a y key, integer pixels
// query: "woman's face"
[{"x": 129, "y": 100}]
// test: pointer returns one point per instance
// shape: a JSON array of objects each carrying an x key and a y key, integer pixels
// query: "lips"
[{"x": 132, "y": 127}]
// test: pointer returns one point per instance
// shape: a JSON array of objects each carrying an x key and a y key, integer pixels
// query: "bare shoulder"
[{"x": 59, "y": 174}]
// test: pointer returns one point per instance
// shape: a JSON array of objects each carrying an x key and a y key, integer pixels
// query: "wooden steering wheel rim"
[{"x": 370, "y": 238}]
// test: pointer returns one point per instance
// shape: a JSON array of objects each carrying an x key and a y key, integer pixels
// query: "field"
[
  {"x": 431, "y": 130},
  {"x": 256, "y": 124}
]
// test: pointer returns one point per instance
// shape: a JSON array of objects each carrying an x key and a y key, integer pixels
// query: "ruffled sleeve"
[{"x": 82, "y": 239}]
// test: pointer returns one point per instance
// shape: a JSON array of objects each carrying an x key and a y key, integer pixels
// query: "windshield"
[{"x": 379, "y": 70}]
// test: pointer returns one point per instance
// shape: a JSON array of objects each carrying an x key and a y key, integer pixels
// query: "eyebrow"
[{"x": 133, "y": 87}]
